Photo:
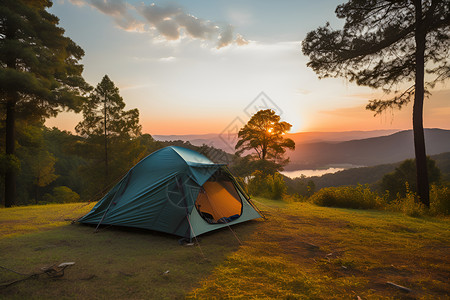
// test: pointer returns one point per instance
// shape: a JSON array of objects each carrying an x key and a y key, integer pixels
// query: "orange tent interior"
[{"x": 219, "y": 199}]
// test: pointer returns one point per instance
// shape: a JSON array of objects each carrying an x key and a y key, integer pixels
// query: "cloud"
[
  {"x": 119, "y": 10},
  {"x": 110, "y": 7},
  {"x": 167, "y": 59},
  {"x": 226, "y": 37},
  {"x": 170, "y": 21},
  {"x": 240, "y": 41}
]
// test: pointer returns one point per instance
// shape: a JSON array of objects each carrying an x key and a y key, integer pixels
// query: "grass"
[
  {"x": 301, "y": 251},
  {"x": 23, "y": 219}
]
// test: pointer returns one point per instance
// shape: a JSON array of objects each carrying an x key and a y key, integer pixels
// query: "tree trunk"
[
  {"x": 10, "y": 136},
  {"x": 419, "y": 138},
  {"x": 10, "y": 140},
  {"x": 106, "y": 142}
]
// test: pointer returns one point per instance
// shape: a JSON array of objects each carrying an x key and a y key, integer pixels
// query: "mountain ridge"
[{"x": 368, "y": 152}]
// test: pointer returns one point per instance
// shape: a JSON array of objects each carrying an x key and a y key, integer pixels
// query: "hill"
[
  {"x": 369, "y": 175},
  {"x": 367, "y": 152},
  {"x": 320, "y": 149},
  {"x": 226, "y": 141}
]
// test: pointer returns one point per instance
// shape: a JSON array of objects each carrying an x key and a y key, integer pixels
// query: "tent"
[{"x": 177, "y": 191}]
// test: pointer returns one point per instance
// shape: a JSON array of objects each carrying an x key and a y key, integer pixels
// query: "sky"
[{"x": 202, "y": 66}]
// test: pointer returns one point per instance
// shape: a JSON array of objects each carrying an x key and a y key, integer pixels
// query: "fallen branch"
[
  {"x": 404, "y": 289},
  {"x": 52, "y": 271}
]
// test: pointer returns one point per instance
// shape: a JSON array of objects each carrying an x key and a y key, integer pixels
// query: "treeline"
[
  {"x": 57, "y": 166},
  {"x": 371, "y": 176}
]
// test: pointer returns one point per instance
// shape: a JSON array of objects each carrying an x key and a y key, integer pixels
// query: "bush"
[
  {"x": 348, "y": 197},
  {"x": 62, "y": 194},
  {"x": 411, "y": 206},
  {"x": 242, "y": 183},
  {"x": 269, "y": 186},
  {"x": 440, "y": 200}
]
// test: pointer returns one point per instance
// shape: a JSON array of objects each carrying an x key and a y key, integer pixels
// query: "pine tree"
[
  {"x": 384, "y": 43},
  {"x": 39, "y": 71},
  {"x": 106, "y": 122}
]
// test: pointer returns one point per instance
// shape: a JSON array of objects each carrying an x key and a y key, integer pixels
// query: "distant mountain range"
[
  {"x": 372, "y": 175},
  {"x": 366, "y": 152},
  {"x": 226, "y": 141},
  {"x": 321, "y": 149}
]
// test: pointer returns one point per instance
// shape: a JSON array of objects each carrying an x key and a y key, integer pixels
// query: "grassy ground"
[{"x": 301, "y": 251}]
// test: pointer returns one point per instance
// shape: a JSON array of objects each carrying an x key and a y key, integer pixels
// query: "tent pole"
[
  {"x": 109, "y": 206},
  {"x": 180, "y": 187},
  {"x": 247, "y": 197}
]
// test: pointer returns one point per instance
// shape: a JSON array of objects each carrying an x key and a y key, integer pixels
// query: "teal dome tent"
[{"x": 177, "y": 191}]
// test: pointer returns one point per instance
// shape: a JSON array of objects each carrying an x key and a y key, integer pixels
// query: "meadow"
[{"x": 301, "y": 251}]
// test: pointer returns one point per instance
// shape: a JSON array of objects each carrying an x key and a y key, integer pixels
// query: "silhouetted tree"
[
  {"x": 105, "y": 120},
  {"x": 395, "y": 182},
  {"x": 39, "y": 72},
  {"x": 384, "y": 43},
  {"x": 263, "y": 134}
]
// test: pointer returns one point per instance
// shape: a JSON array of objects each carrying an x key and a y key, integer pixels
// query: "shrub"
[
  {"x": 348, "y": 197},
  {"x": 270, "y": 186},
  {"x": 440, "y": 200},
  {"x": 242, "y": 183},
  {"x": 411, "y": 206},
  {"x": 62, "y": 194}
]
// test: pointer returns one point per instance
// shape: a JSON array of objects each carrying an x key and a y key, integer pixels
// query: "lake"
[{"x": 309, "y": 173}]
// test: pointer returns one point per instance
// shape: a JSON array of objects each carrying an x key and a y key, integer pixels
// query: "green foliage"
[
  {"x": 242, "y": 184},
  {"x": 110, "y": 134},
  {"x": 302, "y": 186},
  {"x": 404, "y": 177},
  {"x": 360, "y": 197},
  {"x": 266, "y": 185},
  {"x": 382, "y": 44},
  {"x": 376, "y": 46},
  {"x": 40, "y": 74},
  {"x": 9, "y": 162},
  {"x": 263, "y": 134},
  {"x": 61, "y": 144},
  {"x": 245, "y": 166},
  {"x": 38, "y": 61},
  {"x": 104, "y": 114},
  {"x": 440, "y": 200},
  {"x": 408, "y": 204},
  {"x": 62, "y": 194},
  {"x": 37, "y": 163}
]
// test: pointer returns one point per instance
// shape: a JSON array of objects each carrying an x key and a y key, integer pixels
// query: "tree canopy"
[
  {"x": 104, "y": 114},
  {"x": 402, "y": 179},
  {"x": 377, "y": 46},
  {"x": 263, "y": 134},
  {"x": 106, "y": 124},
  {"x": 386, "y": 44},
  {"x": 40, "y": 73}
]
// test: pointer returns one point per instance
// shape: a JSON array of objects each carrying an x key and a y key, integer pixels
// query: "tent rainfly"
[{"x": 177, "y": 191}]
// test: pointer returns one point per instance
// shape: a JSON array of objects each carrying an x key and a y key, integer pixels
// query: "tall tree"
[
  {"x": 39, "y": 71},
  {"x": 384, "y": 43},
  {"x": 263, "y": 134},
  {"x": 105, "y": 119}
]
